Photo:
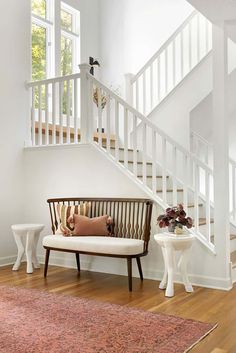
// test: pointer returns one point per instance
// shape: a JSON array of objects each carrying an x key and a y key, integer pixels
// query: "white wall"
[
  {"x": 84, "y": 171},
  {"x": 14, "y": 105},
  {"x": 133, "y": 30}
]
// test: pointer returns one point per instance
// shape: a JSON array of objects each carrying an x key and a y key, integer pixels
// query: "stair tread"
[
  {"x": 233, "y": 259},
  {"x": 121, "y": 149},
  {"x": 170, "y": 190},
  {"x": 202, "y": 221}
]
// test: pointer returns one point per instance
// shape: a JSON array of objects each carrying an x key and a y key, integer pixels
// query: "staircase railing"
[
  {"x": 176, "y": 58},
  {"x": 55, "y": 109},
  {"x": 203, "y": 150},
  {"x": 184, "y": 178}
]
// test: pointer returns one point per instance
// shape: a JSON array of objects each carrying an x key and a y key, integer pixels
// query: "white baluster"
[
  {"x": 208, "y": 206},
  {"x": 99, "y": 116},
  {"x": 196, "y": 196},
  {"x": 108, "y": 123},
  {"x": 68, "y": 111},
  {"x": 46, "y": 116},
  {"x": 76, "y": 111},
  {"x": 117, "y": 133},
  {"x": 158, "y": 80},
  {"x": 166, "y": 70},
  {"x": 154, "y": 158},
  {"x": 198, "y": 38},
  {"x": 181, "y": 55},
  {"x": 144, "y": 93},
  {"x": 190, "y": 45},
  {"x": 151, "y": 87},
  {"x": 185, "y": 179},
  {"x": 126, "y": 137},
  {"x": 164, "y": 157},
  {"x": 174, "y": 64},
  {"x": 174, "y": 180},
  {"x": 40, "y": 127},
  {"x": 135, "y": 166},
  {"x": 33, "y": 117},
  {"x": 53, "y": 113},
  {"x": 144, "y": 153},
  {"x": 137, "y": 94},
  {"x": 61, "y": 95}
]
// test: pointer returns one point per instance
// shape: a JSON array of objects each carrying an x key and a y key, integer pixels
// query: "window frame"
[
  {"x": 48, "y": 25},
  {"x": 73, "y": 35}
]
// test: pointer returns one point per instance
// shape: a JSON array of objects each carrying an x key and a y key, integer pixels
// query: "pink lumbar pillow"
[{"x": 91, "y": 226}]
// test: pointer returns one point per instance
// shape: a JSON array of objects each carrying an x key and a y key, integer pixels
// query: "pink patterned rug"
[{"x": 34, "y": 321}]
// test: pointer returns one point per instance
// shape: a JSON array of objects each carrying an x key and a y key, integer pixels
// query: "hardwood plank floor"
[{"x": 204, "y": 304}]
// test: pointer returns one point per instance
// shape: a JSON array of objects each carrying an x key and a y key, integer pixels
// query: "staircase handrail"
[{"x": 164, "y": 46}]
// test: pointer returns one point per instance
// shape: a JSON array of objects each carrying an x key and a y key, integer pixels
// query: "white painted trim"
[{"x": 8, "y": 260}]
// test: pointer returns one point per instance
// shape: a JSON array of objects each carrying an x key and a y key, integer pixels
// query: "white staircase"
[
  {"x": 156, "y": 163},
  {"x": 167, "y": 68}
]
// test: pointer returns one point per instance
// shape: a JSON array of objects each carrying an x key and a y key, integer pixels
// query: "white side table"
[
  {"x": 31, "y": 232},
  {"x": 169, "y": 244}
]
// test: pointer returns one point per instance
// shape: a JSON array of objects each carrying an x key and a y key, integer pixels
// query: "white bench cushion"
[{"x": 96, "y": 244}]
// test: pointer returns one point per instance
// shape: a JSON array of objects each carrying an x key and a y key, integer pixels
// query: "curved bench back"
[{"x": 131, "y": 217}]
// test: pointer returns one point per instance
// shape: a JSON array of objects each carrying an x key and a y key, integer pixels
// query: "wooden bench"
[{"x": 130, "y": 231}]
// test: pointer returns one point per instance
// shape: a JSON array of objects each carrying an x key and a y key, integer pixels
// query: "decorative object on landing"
[
  {"x": 36, "y": 321},
  {"x": 99, "y": 97},
  {"x": 93, "y": 63},
  {"x": 175, "y": 218}
]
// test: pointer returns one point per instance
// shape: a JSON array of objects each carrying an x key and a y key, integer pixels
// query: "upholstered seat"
[{"x": 95, "y": 244}]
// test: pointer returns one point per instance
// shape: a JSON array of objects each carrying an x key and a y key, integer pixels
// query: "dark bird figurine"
[{"x": 93, "y": 63}]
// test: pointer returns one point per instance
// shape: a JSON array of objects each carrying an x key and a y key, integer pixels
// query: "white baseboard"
[
  {"x": 197, "y": 280},
  {"x": 9, "y": 260}
]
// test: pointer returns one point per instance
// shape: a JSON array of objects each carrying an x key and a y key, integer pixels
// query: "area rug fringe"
[{"x": 201, "y": 338}]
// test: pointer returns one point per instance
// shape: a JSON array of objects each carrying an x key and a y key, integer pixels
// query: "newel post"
[
  {"x": 85, "y": 101},
  {"x": 221, "y": 149},
  {"x": 129, "y": 88}
]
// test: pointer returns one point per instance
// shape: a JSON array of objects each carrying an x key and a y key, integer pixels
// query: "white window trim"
[{"x": 47, "y": 24}]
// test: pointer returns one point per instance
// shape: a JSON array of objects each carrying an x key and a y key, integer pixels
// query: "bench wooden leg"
[
  {"x": 139, "y": 268},
  {"x": 129, "y": 267},
  {"x": 78, "y": 261},
  {"x": 46, "y": 262}
]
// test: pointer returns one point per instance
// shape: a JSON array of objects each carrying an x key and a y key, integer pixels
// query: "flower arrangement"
[
  {"x": 175, "y": 218},
  {"x": 97, "y": 95}
]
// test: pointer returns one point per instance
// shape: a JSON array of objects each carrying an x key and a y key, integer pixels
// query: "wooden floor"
[{"x": 204, "y": 304}]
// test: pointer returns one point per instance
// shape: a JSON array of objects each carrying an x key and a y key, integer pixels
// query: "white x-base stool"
[
  {"x": 171, "y": 243},
  {"x": 31, "y": 234}
]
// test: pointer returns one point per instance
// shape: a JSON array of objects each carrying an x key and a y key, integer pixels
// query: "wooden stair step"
[
  {"x": 170, "y": 190},
  {"x": 131, "y": 162},
  {"x": 233, "y": 259},
  {"x": 120, "y": 148}
]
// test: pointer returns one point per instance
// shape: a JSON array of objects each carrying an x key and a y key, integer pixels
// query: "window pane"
[
  {"x": 38, "y": 52},
  {"x": 39, "y": 8},
  {"x": 66, "y": 20},
  {"x": 66, "y": 56}
]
